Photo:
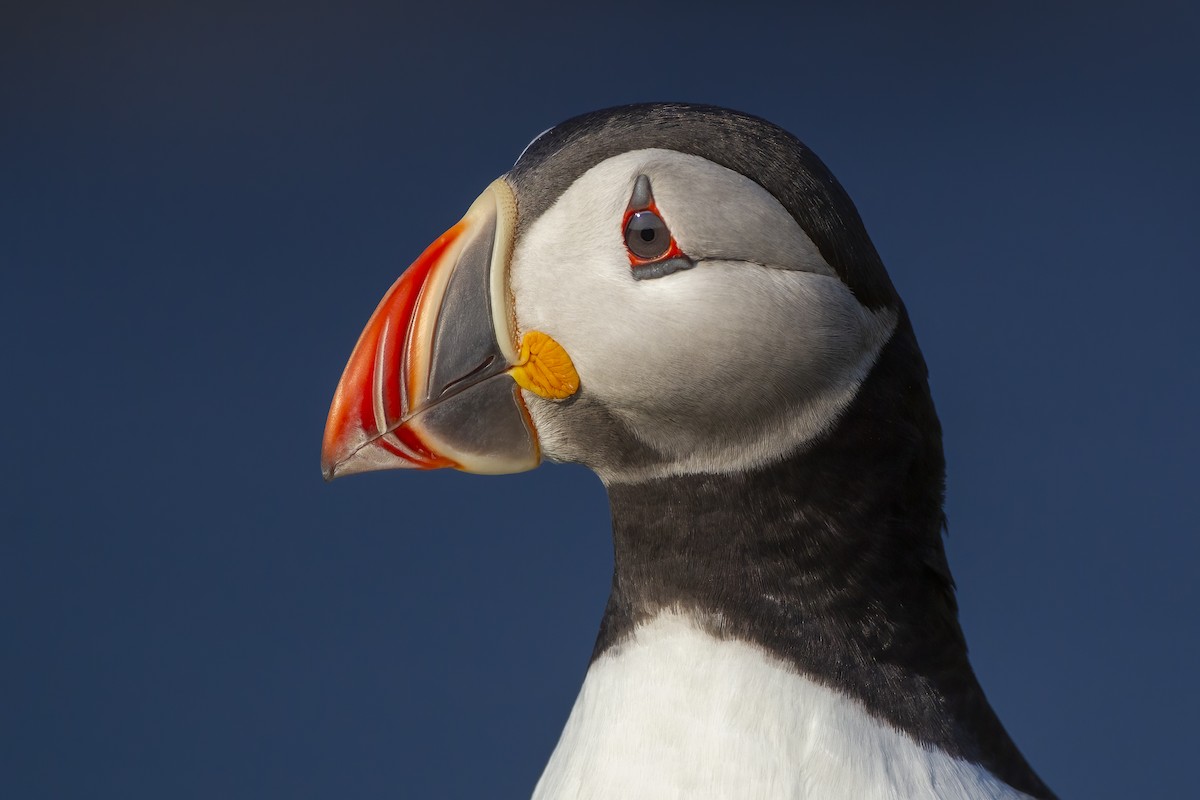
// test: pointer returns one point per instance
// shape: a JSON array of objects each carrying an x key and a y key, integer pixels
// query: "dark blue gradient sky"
[{"x": 200, "y": 208}]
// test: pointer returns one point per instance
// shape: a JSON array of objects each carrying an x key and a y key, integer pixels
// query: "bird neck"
[{"x": 831, "y": 561}]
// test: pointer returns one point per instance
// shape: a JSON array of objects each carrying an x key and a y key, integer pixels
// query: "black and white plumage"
[{"x": 782, "y": 621}]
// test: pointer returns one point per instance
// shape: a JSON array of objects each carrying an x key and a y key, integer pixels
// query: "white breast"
[{"x": 676, "y": 713}]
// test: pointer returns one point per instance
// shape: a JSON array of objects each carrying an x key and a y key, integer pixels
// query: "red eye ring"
[{"x": 672, "y": 249}]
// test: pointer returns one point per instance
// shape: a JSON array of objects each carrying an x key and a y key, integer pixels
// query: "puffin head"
[{"x": 651, "y": 290}]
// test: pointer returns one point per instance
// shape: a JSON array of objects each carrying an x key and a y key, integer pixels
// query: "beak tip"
[
  {"x": 331, "y": 455},
  {"x": 329, "y": 466}
]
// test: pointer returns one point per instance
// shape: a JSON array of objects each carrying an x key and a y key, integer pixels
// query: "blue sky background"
[{"x": 199, "y": 208}]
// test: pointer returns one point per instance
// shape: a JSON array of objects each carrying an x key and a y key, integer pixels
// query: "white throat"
[{"x": 675, "y": 713}]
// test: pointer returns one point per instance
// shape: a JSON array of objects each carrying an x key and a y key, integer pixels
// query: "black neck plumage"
[{"x": 832, "y": 561}]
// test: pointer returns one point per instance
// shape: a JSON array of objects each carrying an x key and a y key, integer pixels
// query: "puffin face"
[
  {"x": 660, "y": 314},
  {"x": 676, "y": 340}
]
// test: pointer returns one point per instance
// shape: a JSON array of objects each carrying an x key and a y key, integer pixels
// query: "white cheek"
[
  {"x": 721, "y": 354},
  {"x": 567, "y": 280},
  {"x": 729, "y": 334}
]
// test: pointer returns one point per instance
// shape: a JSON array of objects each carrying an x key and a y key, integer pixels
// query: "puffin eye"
[
  {"x": 653, "y": 252},
  {"x": 646, "y": 235}
]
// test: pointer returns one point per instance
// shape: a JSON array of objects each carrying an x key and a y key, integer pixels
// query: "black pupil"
[{"x": 646, "y": 235}]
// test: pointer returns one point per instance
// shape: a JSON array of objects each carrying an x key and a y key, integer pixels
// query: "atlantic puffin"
[{"x": 684, "y": 299}]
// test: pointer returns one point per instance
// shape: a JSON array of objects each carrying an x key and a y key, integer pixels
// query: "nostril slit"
[{"x": 458, "y": 382}]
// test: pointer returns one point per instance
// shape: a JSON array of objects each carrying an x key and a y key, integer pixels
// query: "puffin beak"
[{"x": 435, "y": 378}]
